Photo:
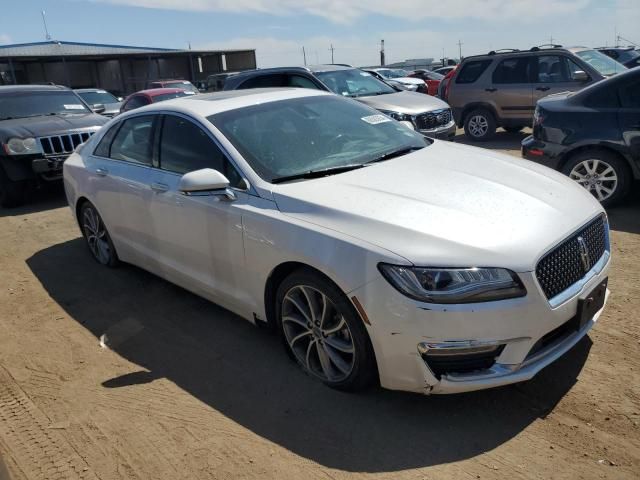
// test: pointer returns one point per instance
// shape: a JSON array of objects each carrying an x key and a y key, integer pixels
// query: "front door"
[
  {"x": 200, "y": 237},
  {"x": 555, "y": 74}
]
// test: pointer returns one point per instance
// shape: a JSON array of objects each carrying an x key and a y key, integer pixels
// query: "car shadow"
[
  {"x": 626, "y": 216},
  {"x": 243, "y": 372},
  {"x": 48, "y": 197},
  {"x": 502, "y": 140}
]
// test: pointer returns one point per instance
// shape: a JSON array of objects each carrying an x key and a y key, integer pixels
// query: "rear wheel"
[
  {"x": 97, "y": 237},
  {"x": 602, "y": 173},
  {"x": 12, "y": 193},
  {"x": 323, "y": 333},
  {"x": 479, "y": 125}
]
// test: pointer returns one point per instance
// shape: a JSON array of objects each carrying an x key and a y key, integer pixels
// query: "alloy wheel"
[
  {"x": 317, "y": 333},
  {"x": 478, "y": 126},
  {"x": 96, "y": 235},
  {"x": 597, "y": 176}
]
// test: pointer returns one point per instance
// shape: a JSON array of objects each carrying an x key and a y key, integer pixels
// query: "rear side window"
[
  {"x": 471, "y": 71},
  {"x": 102, "y": 150},
  {"x": 301, "y": 82},
  {"x": 136, "y": 102},
  {"x": 133, "y": 142},
  {"x": 185, "y": 147},
  {"x": 513, "y": 70},
  {"x": 265, "y": 81}
]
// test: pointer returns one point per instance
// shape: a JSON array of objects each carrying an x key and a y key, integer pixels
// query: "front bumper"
[
  {"x": 399, "y": 326},
  {"x": 544, "y": 153},
  {"x": 445, "y": 132}
]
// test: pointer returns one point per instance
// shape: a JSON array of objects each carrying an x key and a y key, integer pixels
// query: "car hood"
[
  {"x": 49, "y": 125},
  {"x": 410, "y": 103},
  {"x": 447, "y": 205},
  {"x": 408, "y": 80}
]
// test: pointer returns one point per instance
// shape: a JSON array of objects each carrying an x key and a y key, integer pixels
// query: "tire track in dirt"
[{"x": 42, "y": 453}]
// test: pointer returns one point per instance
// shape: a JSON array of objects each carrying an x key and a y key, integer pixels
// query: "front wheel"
[
  {"x": 480, "y": 125},
  {"x": 323, "y": 332},
  {"x": 97, "y": 237},
  {"x": 602, "y": 173}
]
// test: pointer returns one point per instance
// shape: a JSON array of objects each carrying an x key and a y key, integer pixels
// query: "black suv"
[
  {"x": 40, "y": 126},
  {"x": 500, "y": 89},
  {"x": 592, "y": 136},
  {"x": 628, "y": 56}
]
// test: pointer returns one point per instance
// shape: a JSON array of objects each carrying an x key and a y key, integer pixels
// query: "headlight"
[
  {"x": 454, "y": 285},
  {"x": 401, "y": 117},
  {"x": 22, "y": 146}
]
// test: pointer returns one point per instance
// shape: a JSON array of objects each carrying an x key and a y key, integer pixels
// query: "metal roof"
[{"x": 55, "y": 48}]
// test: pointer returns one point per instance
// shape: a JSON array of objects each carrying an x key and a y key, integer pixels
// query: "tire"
[
  {"x": 515, "y": 129},
  {"x": 479, "y": 125},
  {"x": 97, "y": 237},
  {"x": 12, "y": 193},
  {"x": 333, "y": 347},
  {"x": 605, "y": 175}
]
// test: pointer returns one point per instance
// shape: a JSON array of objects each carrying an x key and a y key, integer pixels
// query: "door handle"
[
  {"x": 543, "y": 89},
  {"x": 490, "y": 89},
  {"x": 159, "y": 187},
  {"x": 102, "y": 172}
]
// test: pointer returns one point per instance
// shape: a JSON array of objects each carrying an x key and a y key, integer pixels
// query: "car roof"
[
  {"x": 89, "y": 90},
  {"x": 153, "y": 92},
  {"x": 32, "y": 88},
  {"x": 171, "y": 80},
  {"x": 207, "y": 104},
  {"x": 533, "y": 50}
]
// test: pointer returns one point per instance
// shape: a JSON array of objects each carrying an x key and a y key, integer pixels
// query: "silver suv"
[{"x": 501, "y": 89}]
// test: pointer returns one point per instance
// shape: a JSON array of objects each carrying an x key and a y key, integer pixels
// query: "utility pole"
[
  {"x": 304, "y": 56},
  {"x": 46, "y": 30},
  {"x": 332, "y": 49},
  {"x": 460, "y": 50},
  {"x": 443, "y": 59},
  {"x": 382, "y": 53},
  {"x": 551, "y": 40}
]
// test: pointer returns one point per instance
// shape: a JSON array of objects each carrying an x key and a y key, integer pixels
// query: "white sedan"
[{"x": 376, "y": 253}]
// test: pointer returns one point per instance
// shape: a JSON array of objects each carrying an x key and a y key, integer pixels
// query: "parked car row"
[{"x": 354, "y": 237}]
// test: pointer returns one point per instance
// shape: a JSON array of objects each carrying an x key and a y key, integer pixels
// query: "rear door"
[
  {"x": 555, "y": 74},
  {"x": 122, "y": 164},
  {"x": 629, "y": 117},
  {"x": 512, "y": 89}
]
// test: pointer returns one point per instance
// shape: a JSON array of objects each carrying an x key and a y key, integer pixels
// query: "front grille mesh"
[
  {"x": 563, "y": 266},
  {"x": 63, "y": 144},
  {"x": 431, "y": 120}
]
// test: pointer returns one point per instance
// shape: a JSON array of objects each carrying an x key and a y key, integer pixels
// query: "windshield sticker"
[
  {"x": 376, "y": 119},
  {"x": 74, "y": 106}
]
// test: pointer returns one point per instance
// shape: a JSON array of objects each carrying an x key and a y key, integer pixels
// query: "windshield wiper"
[
  {"x": 395, "y": 153},
  {"x": 318, "y": 173}
]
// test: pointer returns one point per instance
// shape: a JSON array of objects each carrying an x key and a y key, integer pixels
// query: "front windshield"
[
  {"x": 605, "y": 65},
  {"x": 98, "y": 97},
  {"x": 34, "y": 103},
  {"x": 398, "y": 73},
  {"x": 294, "y": 136},
  {"x": 189, "y": 87},
  {"x": 353, "y": 83}
]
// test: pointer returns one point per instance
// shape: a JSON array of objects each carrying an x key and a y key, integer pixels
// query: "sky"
[{"x": 278, "y": 29}]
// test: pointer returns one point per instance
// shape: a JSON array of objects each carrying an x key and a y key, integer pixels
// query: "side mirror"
[
  {"x": 580, "y": 76},
  {"x": 206, "y": 181},
  {"x": 98, "y": 108}
]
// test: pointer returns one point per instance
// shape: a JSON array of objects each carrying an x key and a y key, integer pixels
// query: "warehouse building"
[{"x": 117, "y": 68}]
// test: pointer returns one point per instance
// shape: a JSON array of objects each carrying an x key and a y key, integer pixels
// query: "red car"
[
  {"x": 183, "y": 84},
  {"x": 432, "y": 79},
  {"x": 153, "y": 95}
]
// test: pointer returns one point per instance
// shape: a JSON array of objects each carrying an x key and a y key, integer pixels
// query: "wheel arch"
[
  {"x": 79, "y": 203},
  {"x": 566, "y": 156}
]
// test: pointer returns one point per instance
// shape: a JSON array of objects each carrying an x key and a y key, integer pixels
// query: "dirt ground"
[{"x": 186, "y": 390}]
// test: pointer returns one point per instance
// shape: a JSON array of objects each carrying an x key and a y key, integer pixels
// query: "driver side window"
[{"x": 185, "y": 147}]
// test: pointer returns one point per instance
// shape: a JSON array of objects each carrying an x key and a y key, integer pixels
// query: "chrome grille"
[
  {"x": 431, "y": 120},
  {"x": 569, "y": 262},
  {"x": 63, "y": 144}
]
